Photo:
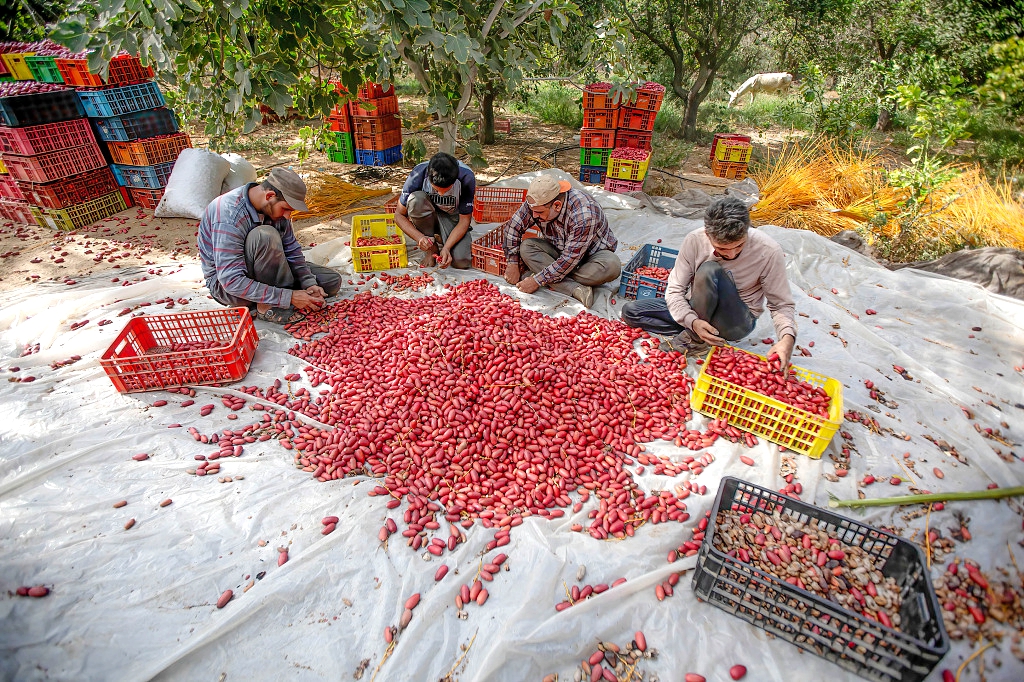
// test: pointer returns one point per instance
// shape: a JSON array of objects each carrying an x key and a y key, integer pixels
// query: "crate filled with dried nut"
[{"x": 850, "y": 593}]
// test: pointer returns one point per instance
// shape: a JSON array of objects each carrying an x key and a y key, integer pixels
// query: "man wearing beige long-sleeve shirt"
[{"x": 722, "y": 278}]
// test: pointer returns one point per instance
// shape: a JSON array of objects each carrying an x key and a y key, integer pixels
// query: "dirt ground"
[{"x": 33, "y": 254}]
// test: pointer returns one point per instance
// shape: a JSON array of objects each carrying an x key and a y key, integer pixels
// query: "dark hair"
[
  {"x": 726, "y": 220},
  {"x": 443, "y": 170},
  {"x": 266, "y": 185},
  {"x": 561, "y": 197}
]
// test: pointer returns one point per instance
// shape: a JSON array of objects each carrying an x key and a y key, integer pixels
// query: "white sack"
[
  {"x": 194, "y": 183},
  {"x": 240, "y": 172}
]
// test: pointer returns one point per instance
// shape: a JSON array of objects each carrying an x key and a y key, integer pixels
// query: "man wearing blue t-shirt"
[{"x": 435, "y": 208}]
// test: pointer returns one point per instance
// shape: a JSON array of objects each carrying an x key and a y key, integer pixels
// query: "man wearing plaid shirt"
[{"x": 576, "y": 249}]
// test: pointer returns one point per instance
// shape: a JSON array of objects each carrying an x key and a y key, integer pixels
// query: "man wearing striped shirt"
[
  {"x": 576, "y": 249},
  {"x": 250, "y": 256}
]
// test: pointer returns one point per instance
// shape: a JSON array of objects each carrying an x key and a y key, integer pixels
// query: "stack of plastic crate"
[
  {"x": 628, "y": 163},
  {"x": 129, "y": 114},
  {"x": 376, "y": 126},
  {"x": 597, "y": 138},
  {"x": 340, "y": 145},
  {"x": 13, "y": 66},
  {"x": 730, "y": 155},
  {"x": 42, "y": 63},
  {"x": 56, "y": 170}
]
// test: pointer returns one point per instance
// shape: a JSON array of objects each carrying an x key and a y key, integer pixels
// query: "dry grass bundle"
[
  {"x": 330, "y": 196},
  {"x": 826, "y": 188}
]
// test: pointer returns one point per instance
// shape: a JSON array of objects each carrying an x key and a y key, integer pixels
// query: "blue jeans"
[{"x": 713, "y": 296}]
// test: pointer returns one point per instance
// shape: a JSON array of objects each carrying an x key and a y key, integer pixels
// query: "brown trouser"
[{"x": 594, "y": 270}]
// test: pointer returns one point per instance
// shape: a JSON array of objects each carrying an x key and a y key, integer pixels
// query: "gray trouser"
[
  {"x": 266, "y": 263},
  {"x": 438, "y": 225},
  {"x": 593, "y": 270},
  {"x": 713, "y": 296}
]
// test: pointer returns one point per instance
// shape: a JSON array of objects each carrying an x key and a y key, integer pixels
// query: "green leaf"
[{"x": 458, "y": 46}]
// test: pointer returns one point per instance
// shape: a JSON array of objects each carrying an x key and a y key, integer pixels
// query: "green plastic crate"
[
  {"x": 44, "y": 69},
  {"x": 594, "y": 157},
  {"x": 342, "y": 155},
  {"x": 340, "y": 147}
]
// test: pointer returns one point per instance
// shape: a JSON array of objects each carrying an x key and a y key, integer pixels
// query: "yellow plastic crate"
[
  {"x": 625, "y": 169},
  {"x": 767, "y": 417},
  {"x": 17, "y": 65},
  {"x": 733, "y": 151},
  {"x": 368, "y": 258},
  {"x": 3, "y": 166},
  {"x": 80, "y": 215}
]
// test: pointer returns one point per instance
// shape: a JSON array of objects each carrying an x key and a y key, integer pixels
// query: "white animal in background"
[{"x": 762, "y": 82}]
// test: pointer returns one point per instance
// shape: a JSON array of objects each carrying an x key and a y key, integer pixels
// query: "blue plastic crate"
[
  {"x": 18, "y": 111},
  {"x": 634, "y": 286},
  {"x": 142, "y": 177},
  {"x": 368, "y": 157},
  {"x": 135, "y": 126},
  {"x": 123, "y": 100},
  {"x": 594, "y": 175}
]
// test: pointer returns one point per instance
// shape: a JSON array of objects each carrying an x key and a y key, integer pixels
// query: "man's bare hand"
[
  {"x": 446, "y": 258},
  {"x": 528, "y": 285},
  {"x": 425, "y": 244},
  {"x": 303, "y": 300},
  {"x": 512, "y": 274},
  {"x": 707, "y": 333},
  {"x": 316, "y": 291},
  {"x": 784, "y": 349}
]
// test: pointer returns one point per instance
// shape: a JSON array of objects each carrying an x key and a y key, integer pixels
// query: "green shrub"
[{"x": 551, "y": 103}]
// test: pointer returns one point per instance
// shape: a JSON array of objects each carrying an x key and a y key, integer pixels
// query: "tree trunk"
[
  {"x": 698, "y": 91},
  {"x": 885, "y": 117},
  {"x": 487, "y": 112},
  {"x": 449, "y": 134}
]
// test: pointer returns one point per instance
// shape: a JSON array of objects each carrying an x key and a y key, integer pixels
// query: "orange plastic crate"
[
  {"x": 372, "y": 125},
  {"x": 383, "y": 106},
  {"x": 599, "y": 98},
  {"x": 496, "y": 204},
  {"x": 370, "y": 90},
  {"x": 145, "y": 198},
  {"x": 725, "y": 169},
  {"x": 141, "y": 359},
  {"x": 601, "y": 119},
  {"x": 69, "y": 191},
  {"x": 379, "y": 141},
  {"x": 647, "y": 99},
  {"x": 340, "y": 123},
  {"x": 633, "y": 138},
  {"x": 597, "y": 139},
  {"x": 149, "y": 151},
  {"x": 123, "y": 70}
]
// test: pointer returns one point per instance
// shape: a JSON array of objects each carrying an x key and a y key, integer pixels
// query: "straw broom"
[{"x": 328, "y": 195}]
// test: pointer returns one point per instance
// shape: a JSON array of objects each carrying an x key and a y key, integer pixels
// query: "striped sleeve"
[
  {"x": 512, "y": 233},
  {"x": 293, "y": 252},
  {"x": 229, "y": 262}
]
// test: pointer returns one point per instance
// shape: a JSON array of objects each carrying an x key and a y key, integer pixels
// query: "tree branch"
[
  {"x": 417, "y": 69},
  {"x": 521, "y": 17},
  {"x": 491, "y": 18}
]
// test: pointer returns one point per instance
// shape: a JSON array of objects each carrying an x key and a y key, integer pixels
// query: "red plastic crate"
[
  {"x": 633, "y": 138},
  {"x": 372, "y": 125},
  {"x": 384, "y": 106},
  {"x": 124, "y": 70},
  {"x": 370, "y": 90},
  {"x": 47, "y": 137},
  {"x": 503, "y": 125},
  {"x": 149, "y": 151},
  {"x": 54, "y": 165},
  {"x": 597, "y": 139},
  {"x": 17, "y": 211},
  {"x": 145, "y": 198},
  {"x": 343, "y": 109},
  {"x": 71, "y": 190},
  {"x": 141, "y": 359},
  {"x": 496, "y": 204},
  {"x": 488, "y": 253},
  {"x": 601, "y": 119},
  {"x": 384, "y": 139},
  {"x": 391, "y": 205},
  {"x": 637, "y": 119},
  {"x": 9, "y": 189},
  {"x": 599, "y": 98},
  {"x": 340, "y": 124}
]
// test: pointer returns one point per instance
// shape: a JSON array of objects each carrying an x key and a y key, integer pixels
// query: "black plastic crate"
[
  {"x": 138, "y": 125},
  {"x": 848, "y": 639},
  {"x": 39, "y": 108}
]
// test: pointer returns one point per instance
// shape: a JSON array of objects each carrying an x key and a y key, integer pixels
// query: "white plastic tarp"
[{"x": 140, "y": 604}]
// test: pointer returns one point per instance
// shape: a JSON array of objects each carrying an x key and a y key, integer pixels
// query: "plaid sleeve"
[
  {"x": 228, "y": 241},
  {"x": 581, "y": 226},
  {"x": 512, "y": 232},
  {"x": 297, "y": 262}
]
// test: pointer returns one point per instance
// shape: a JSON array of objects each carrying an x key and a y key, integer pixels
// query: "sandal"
[{"x": 281, "y": 316}]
